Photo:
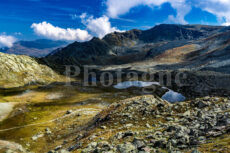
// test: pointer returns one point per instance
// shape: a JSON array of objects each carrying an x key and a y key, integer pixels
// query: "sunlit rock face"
[{"x": 18, "y": 71}]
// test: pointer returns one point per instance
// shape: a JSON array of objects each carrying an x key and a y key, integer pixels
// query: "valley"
[{"x": 172, "y": 94}]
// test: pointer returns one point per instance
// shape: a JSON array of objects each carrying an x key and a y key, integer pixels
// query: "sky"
[{"x": 80, "y": 20}]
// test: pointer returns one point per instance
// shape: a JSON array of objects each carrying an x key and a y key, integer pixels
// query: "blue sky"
[{"x": 80, "y": 20}]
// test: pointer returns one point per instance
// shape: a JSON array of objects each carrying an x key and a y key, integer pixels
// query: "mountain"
[
  {"x": 131, "y": 46},
  {"x": 20, "y": 70},
  {"x": 36, "y": 48}
]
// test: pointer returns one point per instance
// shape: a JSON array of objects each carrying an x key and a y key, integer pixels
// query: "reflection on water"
[
  {"x": 170, "y": 96},
  {"x": 128, "y": 84}
]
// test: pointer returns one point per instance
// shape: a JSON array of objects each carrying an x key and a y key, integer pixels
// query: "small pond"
[{"x": 170, "y": 96}]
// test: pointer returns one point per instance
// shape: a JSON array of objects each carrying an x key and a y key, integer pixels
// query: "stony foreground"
[
  {"x": 148, "y": 124},
  {"x": 145, "y": 124}
]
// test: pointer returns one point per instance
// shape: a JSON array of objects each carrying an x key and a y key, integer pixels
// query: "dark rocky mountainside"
[
  {"x": 36, "y": 48},
  {"x": 131, "y": 46}
]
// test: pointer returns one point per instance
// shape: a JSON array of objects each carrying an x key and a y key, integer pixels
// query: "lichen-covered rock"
[{"x": 177, "y": 126}]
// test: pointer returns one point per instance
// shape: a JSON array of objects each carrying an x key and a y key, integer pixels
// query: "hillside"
[
  {"x": 131, "y": 46},
  {"x": 54, "y": 117},
  {"x": 19, "y": 70}
]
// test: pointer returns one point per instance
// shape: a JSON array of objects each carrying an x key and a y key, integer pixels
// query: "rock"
[
  {"x": 150, "y": 136},
  {"x": 69, "y": 112},
  {"x": 128, "y": 125},
  {"x": 119, "y": 135},
  {"x": 146, "y": 150},
  {"x": 58, "y": 148},
  {"x": 48, "y": 131},
  {"x": 75, "y": 146},
  {"x": 173, "y": 142},
  {"x": 187, "y": 113},
  {"x": 175, "y": 151},
  {"x": 201, "y": 104},
  {"x": 201, "y": 139},
  {"x": 169, "y": 119},
  {"x": 93, "y": 144},
  {"x": 138, "y": 143},
  {"x": 103, "y": 127},
  {"x": 128, "y": 133},
  {"x": 35, "y": 137},
  {"x": 171, "y": 129},
  {"x": 148, "y": 126},
  {"x": 102, "y": 146},
  {"x": 160, "y": 144},
  {"x": 196, "y": 151},
  {"x": 200, "y": 114},
  {"x": 63, "y": 151},
  {"x": 9, "y": 151},
  {"x": 126, "y": 148}
]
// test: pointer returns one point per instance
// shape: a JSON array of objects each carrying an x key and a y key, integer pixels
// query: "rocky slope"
[
  {"x": 149, "y": 124},
  {"x": 16, "y": 70},
  {"x": 131, "y": 46}
]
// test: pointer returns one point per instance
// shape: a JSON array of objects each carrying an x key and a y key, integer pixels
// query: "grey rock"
[
  {"x": 127, "y": 148},
  {"x": 69, "y": 112},
  {"x": 138, "y": 143},
  {"x": 196, "y": 151}
]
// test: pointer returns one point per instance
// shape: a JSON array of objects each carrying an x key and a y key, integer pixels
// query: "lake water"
[
  {"x": 170, "y": 96},
  {"x": 128, "y": 84}
]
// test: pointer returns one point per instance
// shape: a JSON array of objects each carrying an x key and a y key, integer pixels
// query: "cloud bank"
[
  {"x": 7, "y": 41},
  {"x": 95, "y": 26},
  {"x": 98, "y": 26},
  {"x": 56, "y": 33},
  {"x": 220, "y": 8},
  {"x": 115, "y": 8}
]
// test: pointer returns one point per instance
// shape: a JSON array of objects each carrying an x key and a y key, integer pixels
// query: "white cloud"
[
  {"x": 56, "y": 33},
  {"x": 220, "y": 8},
  {"x": 182, "y": 10},
  {"x": 7, "y": 41},
  {"x": 115, "y": 8},
  {"x": 98, "y": 26},
  {"x": 226, "y": 24}
]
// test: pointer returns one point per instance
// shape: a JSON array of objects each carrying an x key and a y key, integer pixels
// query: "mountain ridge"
[
  {"x": 35, "y": 48},
  {"x": 133, "y": 45}
]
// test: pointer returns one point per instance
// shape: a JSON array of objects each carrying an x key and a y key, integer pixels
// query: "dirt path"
[{"x": 56, "y": 119}]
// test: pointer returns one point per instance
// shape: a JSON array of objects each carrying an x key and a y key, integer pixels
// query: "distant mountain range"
[
  {"x": 200, "y": 47},
  {"x": 36, "y": 48},
  {"x": 163, "y": 47}
]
